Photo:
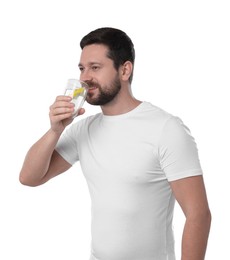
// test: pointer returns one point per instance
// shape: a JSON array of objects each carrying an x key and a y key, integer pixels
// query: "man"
[{"x": 137, "y": 159}]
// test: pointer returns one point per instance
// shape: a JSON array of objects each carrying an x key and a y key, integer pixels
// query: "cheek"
[{"x": 105, "y": 78}]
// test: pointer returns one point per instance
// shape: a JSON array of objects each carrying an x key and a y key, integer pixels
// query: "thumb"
[{"x": 81, "y": 111}]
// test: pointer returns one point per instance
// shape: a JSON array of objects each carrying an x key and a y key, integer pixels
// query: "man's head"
[
  {"x": 106, "y": 64},
  {"x": 120, "y": 46}
]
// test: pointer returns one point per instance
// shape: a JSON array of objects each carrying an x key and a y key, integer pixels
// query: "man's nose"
[{"x": 86, "y": 76}]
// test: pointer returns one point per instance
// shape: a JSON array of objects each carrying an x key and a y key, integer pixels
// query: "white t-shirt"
[{"x": 128, "y": 161}]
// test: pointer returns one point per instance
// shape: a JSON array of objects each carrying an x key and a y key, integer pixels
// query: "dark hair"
[{"x": 121, "y": 48}]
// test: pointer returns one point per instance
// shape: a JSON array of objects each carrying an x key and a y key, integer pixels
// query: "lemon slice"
[{"x": 77, "y": 92}]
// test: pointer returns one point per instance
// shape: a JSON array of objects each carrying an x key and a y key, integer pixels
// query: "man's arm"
[
  {"x": 42, "y": 162},
  {"x": 191, "y": 196}
]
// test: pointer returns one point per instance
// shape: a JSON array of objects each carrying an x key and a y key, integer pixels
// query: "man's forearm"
[
  {"x": 37, "y": 160},
  {"x": 195, "y": 237}
]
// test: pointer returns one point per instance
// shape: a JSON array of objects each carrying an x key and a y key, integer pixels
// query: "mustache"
[{"x": 92, "y": 84}]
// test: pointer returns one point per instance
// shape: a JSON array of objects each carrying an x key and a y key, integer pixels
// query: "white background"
[{"x": 182, "y": 65}]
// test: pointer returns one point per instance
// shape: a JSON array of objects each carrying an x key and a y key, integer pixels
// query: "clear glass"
[{"x": 76, "y": 89}]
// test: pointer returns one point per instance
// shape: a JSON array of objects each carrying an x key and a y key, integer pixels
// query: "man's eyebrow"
[{"x": 90, "y": 63}]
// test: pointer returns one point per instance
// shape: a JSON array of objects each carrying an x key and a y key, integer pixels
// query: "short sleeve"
[
  {"x": 67, "y": 145},
  {"x": 178, "y": 151}
]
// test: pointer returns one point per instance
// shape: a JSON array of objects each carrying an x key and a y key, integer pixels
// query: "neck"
[{"x": 121, "y": 104}]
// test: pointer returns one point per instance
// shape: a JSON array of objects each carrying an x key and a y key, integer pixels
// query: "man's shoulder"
[{"x": 155, "y": 113}]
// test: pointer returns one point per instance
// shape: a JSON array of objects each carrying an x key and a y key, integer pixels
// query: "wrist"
[{"x": 55, "y": 133}]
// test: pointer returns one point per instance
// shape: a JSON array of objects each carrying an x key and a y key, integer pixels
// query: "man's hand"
[{"x": 61, "y": 113}]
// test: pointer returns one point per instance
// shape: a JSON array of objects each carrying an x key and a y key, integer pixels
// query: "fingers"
[
  {"x": 62, "y": 101},
  {"x": 62, "y": 106}
]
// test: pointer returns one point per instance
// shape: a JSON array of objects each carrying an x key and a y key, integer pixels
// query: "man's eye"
[
  {"x": 81, "y": 68},
  {"x": 95, "y": 67}
]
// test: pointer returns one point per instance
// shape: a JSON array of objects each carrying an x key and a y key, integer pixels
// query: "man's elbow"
[
  {"x": 208, "y": 217},
  {"x": 202, "y": 217},
  {"x": 26, "y": 181}
]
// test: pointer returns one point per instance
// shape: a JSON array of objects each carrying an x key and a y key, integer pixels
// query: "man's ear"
[{"x": 125, "y": 70}]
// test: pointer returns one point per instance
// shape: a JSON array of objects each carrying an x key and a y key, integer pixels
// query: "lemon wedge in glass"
[{"x": 77, "y": 92}]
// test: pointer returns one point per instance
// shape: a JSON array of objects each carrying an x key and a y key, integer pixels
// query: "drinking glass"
[{"x": 77, "y": 90}]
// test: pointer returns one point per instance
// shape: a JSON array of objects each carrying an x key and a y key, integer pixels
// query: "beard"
[{"x": 105, "y": 95}]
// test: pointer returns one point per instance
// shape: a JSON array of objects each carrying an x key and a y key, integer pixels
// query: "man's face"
[{"x": 98, "y": 71}]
